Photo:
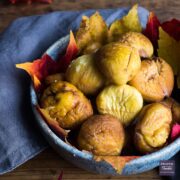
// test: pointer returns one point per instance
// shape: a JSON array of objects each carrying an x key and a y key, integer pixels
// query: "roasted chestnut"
[
  {"x": 66, "y": 104},
  {"x": 101, "y": 135}
]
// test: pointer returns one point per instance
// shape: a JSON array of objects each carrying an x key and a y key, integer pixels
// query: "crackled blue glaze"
[{"x": 85, "y": 160}]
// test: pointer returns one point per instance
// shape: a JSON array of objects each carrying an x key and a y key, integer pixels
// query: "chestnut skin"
[
  {"x": 153, "y": 127},
  {"x": 139, "y": 42},
  {"x": 66, "y": 104},
  {"x": 155, "y": 80},
  {"x": 101, "y": 135}
]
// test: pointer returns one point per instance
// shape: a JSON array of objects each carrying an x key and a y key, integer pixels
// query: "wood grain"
[
  {"x": 165, "y": 9},
  {"x": 48, "y": 165}
]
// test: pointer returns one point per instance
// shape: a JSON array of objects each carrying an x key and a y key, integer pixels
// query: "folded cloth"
[{"x": 24, "y": 40}]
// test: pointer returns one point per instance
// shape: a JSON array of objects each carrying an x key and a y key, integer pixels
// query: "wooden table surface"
[{"x": 48, "y": 165}]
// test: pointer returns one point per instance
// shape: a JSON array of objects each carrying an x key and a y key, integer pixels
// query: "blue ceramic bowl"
[{"x": 85, "y": 160}]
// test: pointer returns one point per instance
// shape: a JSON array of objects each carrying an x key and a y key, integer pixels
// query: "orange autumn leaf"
[
  {"x": 117, "y": 162},
  {"x": 53, "y": 124},
  {"x": 41, "y": 68}
]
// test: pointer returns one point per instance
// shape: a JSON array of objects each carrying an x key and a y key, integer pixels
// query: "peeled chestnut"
[
  {"x": 124, "y": 102},
  {"x": 118, "y": 62},
  {"x": 139, "y": 42},
  {"x": 153, "y": 127},
  {"x": 66, "y": 104},
  {"x": 101, "y": 135},
  {"x": 83, "y": 73},
  {"x": 155, "y": 80}
]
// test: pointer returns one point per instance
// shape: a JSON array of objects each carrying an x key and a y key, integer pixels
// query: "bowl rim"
[{"x": 162, "y": 154}]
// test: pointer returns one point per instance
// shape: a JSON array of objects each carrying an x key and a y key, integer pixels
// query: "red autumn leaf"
[
  {"x": 152, "y": 30},
  {"x": 60, "y": 176},
  {"x": 30, "y": 1},
  {"x": 53, "y": 124},
  {"x": 71, "y": 53},
  {"x": 172, "y": 28},
  {"x": 175, "y": 133},
  {"x": 41, "y": 68}
]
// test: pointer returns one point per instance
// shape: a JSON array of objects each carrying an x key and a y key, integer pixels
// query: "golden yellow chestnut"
[
  {"x": 153, "y": 127},
  {"x": 101, "y": 135},
  {"x": 155, "y": 80},
  {"x": 83, "y": 73},
  {"x": 66, "y": 104},
  {"x": 118, "y": 62},
  {"x": 139, "y": 42},
  {"x": 124, "y": 102}
]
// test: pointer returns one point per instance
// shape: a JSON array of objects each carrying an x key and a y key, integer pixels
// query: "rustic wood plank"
[
  {"x": 165, "y": 9},
  {"x": 48, "y": 165}
]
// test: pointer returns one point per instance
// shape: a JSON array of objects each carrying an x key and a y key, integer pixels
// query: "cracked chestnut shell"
[
  {"x": 153, "y": 127},
  {"x": 101, "y": 135},
  {"x": 139, "y": 42},
  {"x": 155, "y": 80},
  {"x": 83, "y": 73},
  {"x": 66, "y": 104},
  {"x": 124, "y": 102},
  {"x": 118, "y": 62}
]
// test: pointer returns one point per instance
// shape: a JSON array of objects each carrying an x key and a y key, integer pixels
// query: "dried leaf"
[
  {"x": 152, "y": 30},
  {"x": 41, "y": 68},
  {"x": 117, "y": 162},
  {"x": 30, "y": 1},
  {"x": 175, "y": 133},
  {"x": 60, "y": 176},
  {"x": 169, "y": 50},
  {"x": 53, "y": 123},
  {"x": 71, "y": 53},
  {"x": 172, "y": 28},
  {"x": 130, "y": 22},
  {"x": 93, "y": 30}
]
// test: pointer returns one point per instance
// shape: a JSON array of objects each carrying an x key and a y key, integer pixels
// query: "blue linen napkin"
[{"x": 24, "y": 40}]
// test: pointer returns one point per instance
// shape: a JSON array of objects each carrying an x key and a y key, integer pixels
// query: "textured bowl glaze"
[{"x": 85, "y": 160}]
